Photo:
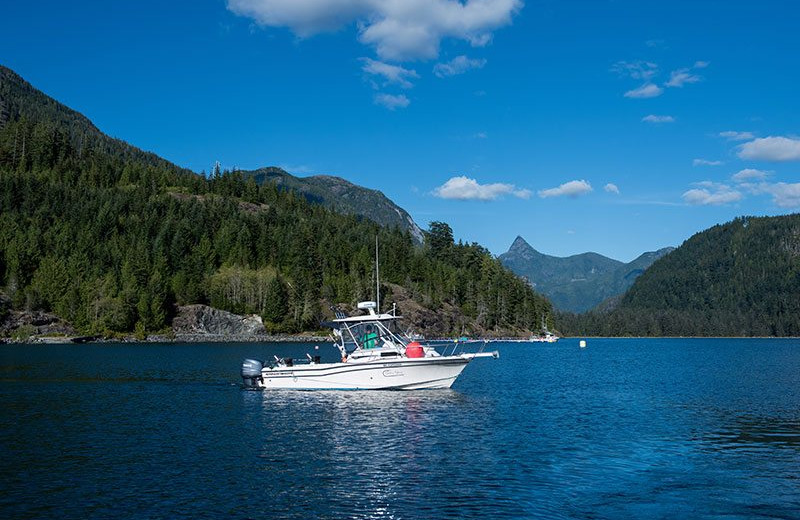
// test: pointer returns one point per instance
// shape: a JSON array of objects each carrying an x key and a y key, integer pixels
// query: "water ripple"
[{"x": 623, "y": 429}]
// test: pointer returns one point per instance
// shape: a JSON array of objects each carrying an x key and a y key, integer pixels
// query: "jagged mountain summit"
[
  {"x": 342, "y": 196},
  {"x": 576, "y": 283}
]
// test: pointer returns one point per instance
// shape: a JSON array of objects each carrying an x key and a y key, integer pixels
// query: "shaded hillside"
[
  {"x": 741, "y": 278},
  {"x": 111, "y": 239},
  {"x": 343, "y": 196},
  {"x": 579, "y": 282},
  {"x": 19, "y": 100}
]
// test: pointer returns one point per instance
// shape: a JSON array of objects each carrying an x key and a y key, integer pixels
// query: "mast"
[{"x": 377, "y": 279}]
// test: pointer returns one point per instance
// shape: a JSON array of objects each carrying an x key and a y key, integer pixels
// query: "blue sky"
[{"x": 608, "y": 126}]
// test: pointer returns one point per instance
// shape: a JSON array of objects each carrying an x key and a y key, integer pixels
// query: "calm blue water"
[{"x": 623, "y": 429}]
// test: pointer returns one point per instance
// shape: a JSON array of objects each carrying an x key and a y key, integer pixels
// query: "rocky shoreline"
[
  {"x": 192, "y": 324},
  {"x": 203, "y": 324}
]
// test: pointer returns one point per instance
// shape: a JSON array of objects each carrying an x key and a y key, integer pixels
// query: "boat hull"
[{"x": 381, "y": 374}]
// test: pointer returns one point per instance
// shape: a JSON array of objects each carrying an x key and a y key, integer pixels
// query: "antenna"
[{"x": 377, "y": 278}]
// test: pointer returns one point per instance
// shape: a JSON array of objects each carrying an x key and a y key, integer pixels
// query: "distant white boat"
[
  {"x": 546, "y": 336},
  {"x": 375, "y": 355}
]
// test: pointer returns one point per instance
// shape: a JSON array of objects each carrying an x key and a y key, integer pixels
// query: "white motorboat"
[
  {"x": 375, "y": 355},
  {"x": 546, "y": 336}
]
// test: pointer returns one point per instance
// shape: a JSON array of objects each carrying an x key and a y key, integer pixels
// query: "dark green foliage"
[
  {"x": 741, "y": 278},
  {"x": 440, "y": 240},
  {"x": 112, "y": 238}
]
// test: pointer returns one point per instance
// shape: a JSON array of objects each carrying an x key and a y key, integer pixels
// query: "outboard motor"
[{"x": 251, "y": 373}]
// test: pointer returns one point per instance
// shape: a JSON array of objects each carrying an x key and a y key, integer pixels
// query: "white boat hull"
[{"x": 381, "y": 374}]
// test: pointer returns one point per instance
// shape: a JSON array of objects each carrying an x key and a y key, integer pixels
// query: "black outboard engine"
[{"x": 251, "y": 373}]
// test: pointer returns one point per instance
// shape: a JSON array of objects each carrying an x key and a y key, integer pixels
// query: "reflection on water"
[{"x": 369, "y": 449}]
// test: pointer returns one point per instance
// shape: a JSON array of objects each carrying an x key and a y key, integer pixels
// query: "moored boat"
[{"x": 546, "y": 336}]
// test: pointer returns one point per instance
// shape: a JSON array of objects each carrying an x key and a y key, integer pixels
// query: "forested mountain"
[
  {"x": 112, "y": 238},
  {"x": 343, "y": 196},
  {"x": 579, "y": 282},
  {"x": 741, "y": 278},
  {"x": 19, "y": 100}
]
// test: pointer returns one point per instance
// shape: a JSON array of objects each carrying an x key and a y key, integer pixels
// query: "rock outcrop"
[
  {"x": 25, "y": 325},
  {"x": 202, "y": 319}
]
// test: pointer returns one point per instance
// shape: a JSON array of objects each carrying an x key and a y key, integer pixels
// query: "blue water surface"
[{"x": 626, "y": 428}]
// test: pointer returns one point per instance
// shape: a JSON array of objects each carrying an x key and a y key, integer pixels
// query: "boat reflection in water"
[{"x": 352, "y": 454}]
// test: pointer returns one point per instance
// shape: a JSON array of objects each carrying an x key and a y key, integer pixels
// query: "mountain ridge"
[
  {"x": 341, "y": 195},
  {"x": 20, "y": 99},
  {"x": 576, "y": 283}
]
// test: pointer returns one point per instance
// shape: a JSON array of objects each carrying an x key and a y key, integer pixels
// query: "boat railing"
[{"x": 458, "y": 347}]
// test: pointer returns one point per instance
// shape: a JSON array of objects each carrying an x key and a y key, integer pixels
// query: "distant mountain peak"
[
  {"x": 520, "y": 247},
  {"x": 578, "y": 282},
  {"x": 519, "y": 242}
]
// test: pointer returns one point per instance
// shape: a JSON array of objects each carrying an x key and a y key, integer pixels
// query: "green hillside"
[
  {"x": 343, "y": 196},
  {"x": 741, "y": 278},
  {"x": 112, "y": 238}
]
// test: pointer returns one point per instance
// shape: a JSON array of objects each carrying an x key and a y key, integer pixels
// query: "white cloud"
[
  {"x": 706, "y": 162},
  {"x": 730, "y": 135},
  {"x": 570, "y": 189},
  {"x": 481, "y": 135},
  {"x": 399, "y": 30},
  {"x": 392, "y": 74},
  {"x": 771, "y": 149},
  {"x": 648, "y": 90},
  {"x": 750, "y": 174},
  {"x": 392, "y": 102},
  {"x": 784, "y": 195},
  {"x": 711, "y": 194},
  {"x": 646, "y": 71},
  {"x": 681, "y": 77},
  {"x": 611, "y": 188},
  {"x": 643, "y": 70},
  {"x": 658, "y": 119},
  {"x": 464, "y": 188},
  {"x": 458, "y": 65}
]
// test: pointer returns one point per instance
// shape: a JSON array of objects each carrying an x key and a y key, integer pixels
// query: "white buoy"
[{"x": 583, "y": 343}]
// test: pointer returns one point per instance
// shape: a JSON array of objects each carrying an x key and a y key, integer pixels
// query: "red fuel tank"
[{"x": 414, "y": 350}]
